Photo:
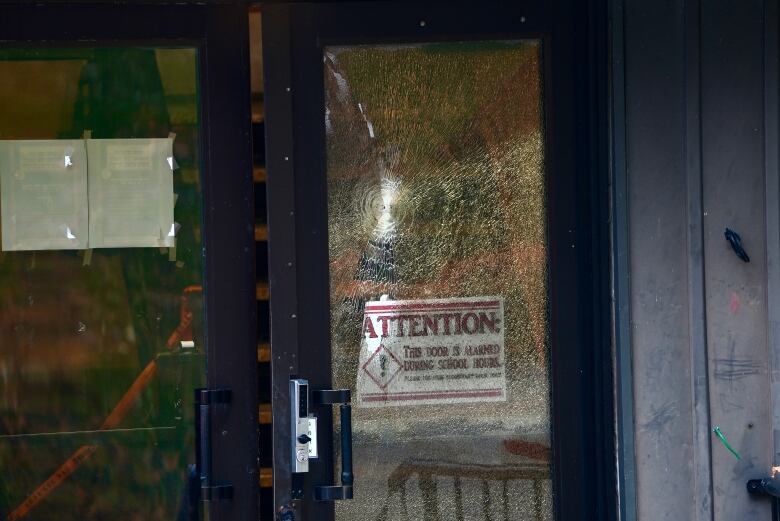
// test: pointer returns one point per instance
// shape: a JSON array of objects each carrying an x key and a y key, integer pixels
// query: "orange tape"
[
  {"x": 60, "y": 475},
  {"x": 85, "y": 451},
  {"x": 113, "y": 419}
]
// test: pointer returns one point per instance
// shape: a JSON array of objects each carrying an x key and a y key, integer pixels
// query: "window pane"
[
  {"x": 100, "y": 346},
  {"x": 438, "y": 276}
]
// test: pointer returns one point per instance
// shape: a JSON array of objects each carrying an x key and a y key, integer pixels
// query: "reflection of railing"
[{"x": 432, "y": 474}]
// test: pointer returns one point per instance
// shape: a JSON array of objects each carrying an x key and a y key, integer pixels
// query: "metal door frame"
[
  {"x": 220, "y": 32},
  {"x": 577, "y": 156}
]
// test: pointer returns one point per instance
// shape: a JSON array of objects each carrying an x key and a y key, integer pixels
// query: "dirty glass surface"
[
  {"x": 436, "y": 192},
  {"x": 100, "y": 349}
]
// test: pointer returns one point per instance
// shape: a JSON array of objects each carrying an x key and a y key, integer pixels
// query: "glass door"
[
  {"x": 438, "y": 254},
  {"x": 110, "y": 316},
  {"x": 443, "y": 258}
]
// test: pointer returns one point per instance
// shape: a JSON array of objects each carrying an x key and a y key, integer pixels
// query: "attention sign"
[{"x": 437, "y": 351}]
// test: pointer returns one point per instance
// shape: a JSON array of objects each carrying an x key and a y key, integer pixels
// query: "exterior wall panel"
[
  {"x": 732, "y": 116},
  {"x": 655, "y": 149},
  {"x": 700, "y": 157}
]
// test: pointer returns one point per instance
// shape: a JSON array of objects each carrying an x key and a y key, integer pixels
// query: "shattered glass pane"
[{"x": 436, "y": 190}]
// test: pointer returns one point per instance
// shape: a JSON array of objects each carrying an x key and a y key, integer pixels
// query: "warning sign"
[{"x": 437, "y": 351}]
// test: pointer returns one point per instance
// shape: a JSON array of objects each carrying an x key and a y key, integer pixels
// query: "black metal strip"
[
  {"x": 626, "y": 475},
  {"x": 283, "y": 266}
]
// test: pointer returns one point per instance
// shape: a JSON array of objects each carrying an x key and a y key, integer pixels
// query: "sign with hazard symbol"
[{"x": 436, "y": 351}]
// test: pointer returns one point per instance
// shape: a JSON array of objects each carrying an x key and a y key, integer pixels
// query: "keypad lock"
[
  {"x": 304, "y": 427},
  {"x": 303, "y": 439}
]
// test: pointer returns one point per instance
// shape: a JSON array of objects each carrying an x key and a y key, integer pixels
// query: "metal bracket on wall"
[
  {"x": 736, "y": 244},
  {"x": 767, "y": 487}
]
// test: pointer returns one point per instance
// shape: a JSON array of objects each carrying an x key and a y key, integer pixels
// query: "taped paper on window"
[
  {"x": 131, "y": 193},
  {"x": 437, "y": 351},
  {"x": 43, "y": 194}
]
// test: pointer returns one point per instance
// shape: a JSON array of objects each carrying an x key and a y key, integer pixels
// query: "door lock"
[
  {"x": 304, "y": 427},
  {"x": 303, "y": 439}
]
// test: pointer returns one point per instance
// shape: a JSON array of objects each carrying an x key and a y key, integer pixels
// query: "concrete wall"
[{"x": 701, "y": 155}]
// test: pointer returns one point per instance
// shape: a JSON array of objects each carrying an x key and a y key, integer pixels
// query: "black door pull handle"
[
  {"x": 340, "y": 397},
  {"x": 205, "y": 399}
]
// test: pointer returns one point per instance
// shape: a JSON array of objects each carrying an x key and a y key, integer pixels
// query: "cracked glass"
[
  {"x": 436, "y": 201},
  {"x": 100, "y": 349}
]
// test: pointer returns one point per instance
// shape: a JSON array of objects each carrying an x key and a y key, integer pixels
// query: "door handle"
[
  {"x": 342, "y": 398},
  {"x": 205, "y": 399}
]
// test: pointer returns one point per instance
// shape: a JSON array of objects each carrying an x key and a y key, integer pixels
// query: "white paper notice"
[
  {"x": 43, "y": 194},
  {"x": 131, "y": 193},
  {"x": 432, "y": 352}
]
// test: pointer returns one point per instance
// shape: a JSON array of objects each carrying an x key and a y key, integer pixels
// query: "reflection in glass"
[
  {"x": 96, "y": 364},
  {"x": 436, "y": 190}
]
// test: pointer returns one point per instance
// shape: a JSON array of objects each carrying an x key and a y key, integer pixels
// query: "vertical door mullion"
[
  {"x": 282, "y": 258},
  {"x": 229, "y": 250}
]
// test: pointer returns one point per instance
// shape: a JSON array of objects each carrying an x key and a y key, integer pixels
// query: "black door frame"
[
  {"x": 220, "y": 32},
  {"x": 577, "y": 154}
]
